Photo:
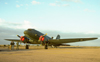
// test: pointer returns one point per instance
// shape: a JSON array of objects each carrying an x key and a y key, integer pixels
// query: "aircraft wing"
[
  {"x": 58, "y": 41},
  {"x": 16, "y": 40}
]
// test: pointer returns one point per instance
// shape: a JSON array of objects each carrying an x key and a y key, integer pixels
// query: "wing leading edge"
[
  {"x": 70, "y": 40},
  {"x": 16, "y": 40}
]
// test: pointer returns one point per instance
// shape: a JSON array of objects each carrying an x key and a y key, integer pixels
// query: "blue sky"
[{"x": 66, "y": 16}]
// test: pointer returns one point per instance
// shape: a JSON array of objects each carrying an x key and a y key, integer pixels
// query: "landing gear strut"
[
  {"x": 46, "y": 45},
  {"x": 17, "y": 45},
  {"x": 27, "y": 46}
]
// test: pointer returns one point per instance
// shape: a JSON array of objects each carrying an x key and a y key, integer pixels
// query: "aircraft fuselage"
[{"x": 34, "y": 35}]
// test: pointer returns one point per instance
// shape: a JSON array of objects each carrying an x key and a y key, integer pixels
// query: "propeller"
[
  {"x": 19, "y": 37},
  {"x": 41, "y": 38},
  {"x": 23, "y": 38}
]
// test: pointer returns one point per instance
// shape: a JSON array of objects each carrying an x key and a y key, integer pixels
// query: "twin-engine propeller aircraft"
[{"x": 33, "y": 36}]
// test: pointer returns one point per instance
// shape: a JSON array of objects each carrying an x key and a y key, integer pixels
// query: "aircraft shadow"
[
  {"x": 71, "y": 47},
  {"x": 7, "y": 50}
]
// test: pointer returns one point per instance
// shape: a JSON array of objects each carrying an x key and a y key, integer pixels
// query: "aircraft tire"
[
  {"x": 55, "y": 46},
  {"x": 46, "y": 46}
]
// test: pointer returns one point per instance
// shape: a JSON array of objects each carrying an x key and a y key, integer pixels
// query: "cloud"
[
  {"x": 69, "y": 34},
  {"x": 56, "y": 3},
  {"x": 26, "y": 4},
  {"x": 17, "y": 5},
  {"x": 1, "y": 21},
  {"x": 21, "y": 4},
  {"x": 59, "y": 4},
  {"x": 87, "y": 10},
  {"x": 92, "y": 32},
  {"x": 65, "y": 5},
  {"x": 52, "y": 4},
  {"x": 17, "y": 1},
  {"x": 35, "y": 2},
  {"x": 26, "y": 8},
  {"x": 76, "y": 1},
  {"x": 6, "y": 3},
  {"x": 25, "y": 25},
  {"x": 9, "y": 33},
  {"x": 15, "y": 25},
  {"x": 11, "y": 29}
]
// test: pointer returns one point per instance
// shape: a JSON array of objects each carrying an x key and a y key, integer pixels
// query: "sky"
[{"x": 69, "y": 18}]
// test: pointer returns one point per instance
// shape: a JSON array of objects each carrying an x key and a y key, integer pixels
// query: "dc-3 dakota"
[{"x": 33, "y": 36}]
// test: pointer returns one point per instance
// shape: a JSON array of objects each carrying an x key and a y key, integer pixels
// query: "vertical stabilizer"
[{"x": 58, "y": 36}]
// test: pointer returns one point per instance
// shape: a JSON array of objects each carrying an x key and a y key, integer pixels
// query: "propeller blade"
[
  {"x": 18, "y": 36},
  {"x": 44, "y": 34}
]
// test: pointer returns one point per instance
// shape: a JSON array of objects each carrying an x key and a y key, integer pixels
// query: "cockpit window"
[{"x": 29, "y": 29}]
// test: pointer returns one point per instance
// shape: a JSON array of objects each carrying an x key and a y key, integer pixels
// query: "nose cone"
[{"x": 26, "y": 32}]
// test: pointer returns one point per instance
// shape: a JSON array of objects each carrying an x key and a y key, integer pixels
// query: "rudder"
[{"x": 58, "y": 36}]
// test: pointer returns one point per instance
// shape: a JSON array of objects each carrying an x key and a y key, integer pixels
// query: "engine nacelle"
[
  {"x": 24, "y": 39},
  {"x": 41, "y": 38}
]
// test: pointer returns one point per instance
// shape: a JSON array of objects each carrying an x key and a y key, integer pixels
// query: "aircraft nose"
[{"x": 26, "y": 32}]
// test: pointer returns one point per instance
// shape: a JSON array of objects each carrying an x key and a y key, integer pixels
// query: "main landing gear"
[{"x": 46, "y": 45}]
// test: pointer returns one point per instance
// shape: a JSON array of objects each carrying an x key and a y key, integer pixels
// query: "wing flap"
[{"x": 70, "y": 40}]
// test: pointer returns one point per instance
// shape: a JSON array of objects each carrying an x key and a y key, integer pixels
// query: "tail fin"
[{"x": 58, "y": 36}]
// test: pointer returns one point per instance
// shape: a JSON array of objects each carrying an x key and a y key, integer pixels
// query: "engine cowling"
[
  {"x": 41, "y": 38},
  {"x": 24, "y": 39}
]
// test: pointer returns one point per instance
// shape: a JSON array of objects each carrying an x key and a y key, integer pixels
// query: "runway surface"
[{"x": 61, "y": 54}]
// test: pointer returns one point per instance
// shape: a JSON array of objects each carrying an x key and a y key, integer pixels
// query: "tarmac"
[{"x": 61, "y": 54}]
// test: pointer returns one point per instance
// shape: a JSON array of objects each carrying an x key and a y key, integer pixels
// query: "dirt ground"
[{"x": 63, "y": 54}]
